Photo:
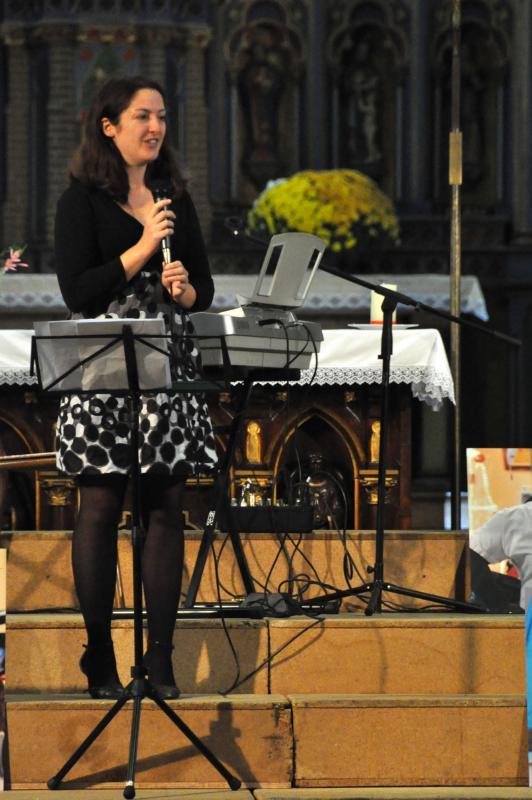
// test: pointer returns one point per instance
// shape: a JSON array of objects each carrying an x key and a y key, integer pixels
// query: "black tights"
[{"x": 94, "y": 552}]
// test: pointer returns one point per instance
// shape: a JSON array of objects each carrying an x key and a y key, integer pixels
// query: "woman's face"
[{"x": 141, "y": 128}]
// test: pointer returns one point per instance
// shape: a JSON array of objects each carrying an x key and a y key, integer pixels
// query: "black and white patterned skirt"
[{"x": 175, "y": 430}]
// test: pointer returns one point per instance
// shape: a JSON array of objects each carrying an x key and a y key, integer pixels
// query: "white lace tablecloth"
[
  {"x": 15, "y": 350},
  {"x": 347, "y": 357},
  {"x": 328, "y": 294},
  {"x": 351, "y": 357}
]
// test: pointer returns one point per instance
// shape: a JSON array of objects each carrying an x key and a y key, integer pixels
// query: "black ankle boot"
[
  {"x": 98, "y": 663},
  {"x": 158, "y": 662}
]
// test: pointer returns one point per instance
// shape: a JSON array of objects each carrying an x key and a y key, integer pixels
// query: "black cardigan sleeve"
[
  {"x": 87, "y": 282},
  {"x": 90, "y": 233},
  {"x": 195, "y": 257}
]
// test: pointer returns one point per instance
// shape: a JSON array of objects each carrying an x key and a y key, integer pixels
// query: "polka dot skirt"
[{"x": 175, "y": 431}]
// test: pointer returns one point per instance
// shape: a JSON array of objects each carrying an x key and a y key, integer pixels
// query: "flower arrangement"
[
  {"x": 12, "y": 258},
  {"x": 343, "y": 207}
]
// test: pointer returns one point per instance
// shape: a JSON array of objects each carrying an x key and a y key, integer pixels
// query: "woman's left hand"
[{"x": 174, "y": 278}]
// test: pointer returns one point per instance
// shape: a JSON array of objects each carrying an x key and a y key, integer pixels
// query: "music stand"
[{"x": 144, "y": 367}]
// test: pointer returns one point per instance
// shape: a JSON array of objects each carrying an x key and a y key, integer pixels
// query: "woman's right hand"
[{"x": 159, "y": 223}]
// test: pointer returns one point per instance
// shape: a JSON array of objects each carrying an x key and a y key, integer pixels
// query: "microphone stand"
[
  {"x": 379, "y": 585},
  {"x": 390, "y": 300}
]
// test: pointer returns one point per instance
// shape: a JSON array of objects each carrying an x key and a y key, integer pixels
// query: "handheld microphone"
[{"x": 160, "y": 191}]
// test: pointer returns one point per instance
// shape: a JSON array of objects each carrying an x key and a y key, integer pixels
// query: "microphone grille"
[{"x": 161, "y": 190}]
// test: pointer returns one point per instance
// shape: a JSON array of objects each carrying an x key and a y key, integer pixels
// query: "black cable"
[
  {"x": 349, "y": 564},
  {"x": 224, "y": 624},
  {"x": 270, "y": 658},
  {"x": 268, "y": 604},
  {"x": 302, "y": 350},
  {"x": 297, "y": 548},
  {"x": 310, "y": 336}
]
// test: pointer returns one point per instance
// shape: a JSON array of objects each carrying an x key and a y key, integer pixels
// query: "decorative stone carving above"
[
  {"x": 104, "y": 10},
  {"x": 98, "y": 60},
  {"x": 367, "y": 48}
]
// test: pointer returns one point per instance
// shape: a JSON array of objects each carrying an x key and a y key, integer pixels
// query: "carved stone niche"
[
  {"x": 264, "y": 57},
  {"x": 366, "y": 53},
  {"x": 320, "y": 444}
]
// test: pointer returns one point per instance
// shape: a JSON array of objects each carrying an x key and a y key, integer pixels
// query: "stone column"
[
  {"x": 15, "y": 213},
  {"x": 153, "y": 43},
  {"x": 522, "y": 123},
  {"x": 317, "y": 135},
  {"x": 416, "y": 155},
  {"x": 63, "y": 128},
  {"x": 195, "y": 145}
]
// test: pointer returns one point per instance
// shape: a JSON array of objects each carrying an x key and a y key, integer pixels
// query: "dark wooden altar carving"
[{"x": 285, "y": 430}]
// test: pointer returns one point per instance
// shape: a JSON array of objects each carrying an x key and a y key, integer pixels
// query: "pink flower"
[{"x": 13, "y": 261}]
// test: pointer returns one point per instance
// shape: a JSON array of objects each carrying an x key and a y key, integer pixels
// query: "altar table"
[
  {"x": 338, "y": 416},
  {"x": 347, "y": 357}
]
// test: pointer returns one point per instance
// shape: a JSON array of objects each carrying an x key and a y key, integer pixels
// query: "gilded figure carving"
[
  {"x": 253, "y": 442},
  {"x": 375, "y": 442},
  {"x": 58, "y": 491}
]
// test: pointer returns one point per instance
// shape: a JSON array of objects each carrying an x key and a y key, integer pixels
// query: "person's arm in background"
[{"x": 489, "y": 540}]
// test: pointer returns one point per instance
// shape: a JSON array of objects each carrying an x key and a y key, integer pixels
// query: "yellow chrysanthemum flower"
[{"x": 343, "y": 207}]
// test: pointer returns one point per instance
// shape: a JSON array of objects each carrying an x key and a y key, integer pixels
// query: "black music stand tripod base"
[{"x": 137, "y": 690}]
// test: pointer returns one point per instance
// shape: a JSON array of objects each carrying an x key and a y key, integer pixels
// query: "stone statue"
[
  {"x": 472, "y": 115},
  {"x": 362, "y": 90},
  {"x": 261, "y": 85}
]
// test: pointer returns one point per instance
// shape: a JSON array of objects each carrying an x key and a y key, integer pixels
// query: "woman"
[{"x": 107, "y": 240}]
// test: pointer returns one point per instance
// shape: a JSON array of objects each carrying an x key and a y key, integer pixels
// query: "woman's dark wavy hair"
[{"x": 98, "y": 163}]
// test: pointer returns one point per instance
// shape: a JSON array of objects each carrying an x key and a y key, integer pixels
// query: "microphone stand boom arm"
[{"x": 417, "y": 305}]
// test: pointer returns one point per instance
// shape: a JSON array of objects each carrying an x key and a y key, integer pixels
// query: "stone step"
[
  {"x": 352, "y": 793},
  {"x": 39, "y": 571},
  {"x": 346, "y": 654},
  {"x": 407, "y": 741},
  {"x": 140, "y": 794},
  {"x": 393, "y": 653},
  {"x": 400, "y": 793},
  {"x": 251, "y": 735},
  {"x": 300, "y": 741},
  {"x": 43, "y": 652}
]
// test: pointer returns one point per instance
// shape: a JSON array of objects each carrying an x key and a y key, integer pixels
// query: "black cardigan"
[{"x": 91, "y": 230}]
